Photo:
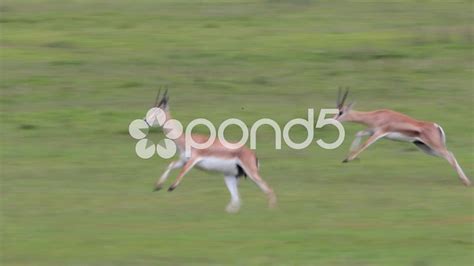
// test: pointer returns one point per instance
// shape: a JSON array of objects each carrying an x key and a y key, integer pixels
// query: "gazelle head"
[
  {"x": 159, "y": 113},
  {"x": 344, "y": 109}
]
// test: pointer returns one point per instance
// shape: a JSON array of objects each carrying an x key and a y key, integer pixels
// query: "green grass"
[{"x": 75, "y": 73}]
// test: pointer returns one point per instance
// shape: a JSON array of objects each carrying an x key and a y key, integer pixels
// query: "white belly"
[
  {"x": 226, "y": 166},
  {"x": 400, "y": 137}
]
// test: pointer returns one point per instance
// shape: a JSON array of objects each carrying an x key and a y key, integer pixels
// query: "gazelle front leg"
[
  {"x": 376, "y": 136},
  {"x": 234, "y": 204},
  {"x": 188, "y": 166},
  {"x": 358, "y": 137},
  {"x": 164, "y": 176}
]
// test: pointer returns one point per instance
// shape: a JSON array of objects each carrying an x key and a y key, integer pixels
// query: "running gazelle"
[
  {"x": 427, "y": 136},
  {"x": 232, "y": 162}
]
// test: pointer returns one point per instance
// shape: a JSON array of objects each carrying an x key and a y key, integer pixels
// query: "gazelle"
[
  {"x": 427, "y": 136},
  {"x": 233, "y": 163}
]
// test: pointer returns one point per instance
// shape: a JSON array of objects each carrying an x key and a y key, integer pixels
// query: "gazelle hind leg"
[
  {"x": 449, "y": 156},
  {"x": 234, "y": 204},
  {"x": 272, "y": 200},
  {"x": 252, "y": 172},
  {"x": 437, "y": 142},
  {"x": 425, "y": 148}
]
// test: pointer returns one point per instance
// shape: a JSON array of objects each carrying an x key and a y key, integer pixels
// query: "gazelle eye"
[{"x": 340, "y": 112}]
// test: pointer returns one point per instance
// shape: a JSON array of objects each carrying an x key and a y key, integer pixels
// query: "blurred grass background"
[{"x": 75, "y": 73}]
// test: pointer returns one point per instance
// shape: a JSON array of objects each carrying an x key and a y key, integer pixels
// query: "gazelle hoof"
[
  {"x": 345, "y": 160},
  {"x": 157, "y": 188},
  {"x": 232, "y": 208},
  {"x": 171, "y": 189}
]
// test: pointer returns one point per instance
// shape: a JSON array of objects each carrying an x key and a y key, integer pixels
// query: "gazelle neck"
[
  {"x": 359, "y": 117},
  {"x": 178, "y": 141}
]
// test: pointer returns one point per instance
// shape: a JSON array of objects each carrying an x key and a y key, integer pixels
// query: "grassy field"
[{"x": 75, "y": 73}]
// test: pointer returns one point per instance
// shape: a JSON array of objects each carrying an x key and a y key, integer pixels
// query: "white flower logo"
[{"x": 145, "y": 148}]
